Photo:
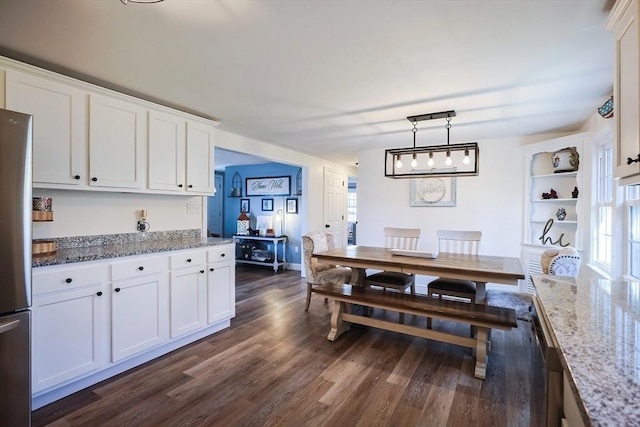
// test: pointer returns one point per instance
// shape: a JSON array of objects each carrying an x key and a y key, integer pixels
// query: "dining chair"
[
  {"x": 397, "y": 238},
  {"x": 457, "y": 242},
  {"x": 318, "y": 274}
]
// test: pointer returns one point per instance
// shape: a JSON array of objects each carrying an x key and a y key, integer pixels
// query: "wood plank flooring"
[{"x": 275, "y": 367}]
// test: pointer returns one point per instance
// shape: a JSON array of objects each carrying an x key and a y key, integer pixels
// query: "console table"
[{"x": 274, "y": 240}]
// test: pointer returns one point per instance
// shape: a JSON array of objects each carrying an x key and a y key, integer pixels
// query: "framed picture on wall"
[
  {"x": 292, "y": 206},
  {"x": 245, "y": 205},
  {"x": 437, "y": 191},
  {"x": 267, "y": 205}
]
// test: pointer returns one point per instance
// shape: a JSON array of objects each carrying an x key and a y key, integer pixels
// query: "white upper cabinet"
[
  {"x": 59, "y": 127},
  {"x": 623, "y": 21},
  {"x": 167, "y": 144},
  {"x": 200, "y": 161},
  {"x": 89, "y": 138},
  {"x": 117, "y": 139},
  {"x": 180, "y": 154}
]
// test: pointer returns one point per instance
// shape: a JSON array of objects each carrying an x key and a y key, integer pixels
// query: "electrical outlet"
[
  {"x": 295, "y": 249},
  {"x": 192, "y": 208}
]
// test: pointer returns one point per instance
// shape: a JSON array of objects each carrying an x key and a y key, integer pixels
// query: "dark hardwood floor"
[{"x": 274, "y": 366}]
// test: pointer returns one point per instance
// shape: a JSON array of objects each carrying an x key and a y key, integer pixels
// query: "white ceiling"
[{"x": 334, "y": 77}]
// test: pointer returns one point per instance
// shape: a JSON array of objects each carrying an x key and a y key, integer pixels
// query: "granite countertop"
[
  {"x": 596, "y": 324},
  {"x": 106, "y": 251}
]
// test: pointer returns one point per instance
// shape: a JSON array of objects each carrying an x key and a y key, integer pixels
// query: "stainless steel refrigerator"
[{"x": 15, "y": 268}]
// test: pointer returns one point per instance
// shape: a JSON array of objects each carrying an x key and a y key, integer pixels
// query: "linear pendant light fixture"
[
  {"x": 125, "y": 2},
  {"x": 432, "y": 161}
]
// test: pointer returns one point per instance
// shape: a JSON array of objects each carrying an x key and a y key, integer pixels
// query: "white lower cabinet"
[
  {"x": 139, "y": 306},
  {"x": 93, "y": 321},
  {"x": 188, "y": 286},
  {"x": 221, "y": 284},
  {"x": 70, "y": 323}
]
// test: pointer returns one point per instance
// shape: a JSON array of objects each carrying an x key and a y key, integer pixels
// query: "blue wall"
[{"x": 291, "y": 222}]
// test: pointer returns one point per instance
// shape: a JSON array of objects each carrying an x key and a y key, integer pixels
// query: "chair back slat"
[
  {"x": 401, "y": 238},
  {"x": 459, "y": 242}
]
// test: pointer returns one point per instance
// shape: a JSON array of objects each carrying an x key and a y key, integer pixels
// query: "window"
[
  {"x": 351, "y": 207},
  {"x": 604, "y": 209},
  {"x": 632, "y": 207}
]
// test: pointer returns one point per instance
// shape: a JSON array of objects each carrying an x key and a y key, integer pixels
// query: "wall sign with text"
[{"x": 269, "y": 186}]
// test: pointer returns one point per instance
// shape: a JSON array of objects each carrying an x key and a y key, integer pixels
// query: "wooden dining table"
[{"x": 481, "y": 269}]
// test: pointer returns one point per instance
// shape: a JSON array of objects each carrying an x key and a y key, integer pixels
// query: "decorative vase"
[
  {"x": 565, "y": 160},
  {"x": 561, "y": 214}
]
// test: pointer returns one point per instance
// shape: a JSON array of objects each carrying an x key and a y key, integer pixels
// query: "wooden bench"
[{"x": 483, "y": 317}]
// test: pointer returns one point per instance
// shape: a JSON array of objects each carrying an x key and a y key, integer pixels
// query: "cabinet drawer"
[
  {"x": 139, "y": 267},
  {"x": 221, "y": 253},
  {"x": 68, "y": 278},
  {"x": 187, "y": 259}
]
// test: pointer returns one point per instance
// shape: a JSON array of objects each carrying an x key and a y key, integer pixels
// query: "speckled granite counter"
[
  {"x": 118, "y": 246},
  {"x": 596, "y": 324}
]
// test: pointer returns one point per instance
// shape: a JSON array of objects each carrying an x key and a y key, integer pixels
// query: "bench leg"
[
  {"x": 481, "y": 352},
  {"x": 338, "y": 326}
]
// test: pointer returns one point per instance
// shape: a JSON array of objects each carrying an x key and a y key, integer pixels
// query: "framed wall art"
[
  {"x": 267, "y": 205},
  {"x": 269, "y": 186},
  {"x": 292, "y": 206},
  {"x": 245, "y": 205},
  {"x": 437, "y": 191}
]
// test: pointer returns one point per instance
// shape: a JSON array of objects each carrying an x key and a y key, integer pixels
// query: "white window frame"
[
  {"x": 605, "y": 197},
  {"x": 628, "y": 203}
]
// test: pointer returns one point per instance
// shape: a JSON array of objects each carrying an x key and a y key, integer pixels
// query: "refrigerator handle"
[{"x": 7, "y": 326}]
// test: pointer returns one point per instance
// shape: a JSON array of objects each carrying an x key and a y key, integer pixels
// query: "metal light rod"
[{"x": 431, "y": 116}]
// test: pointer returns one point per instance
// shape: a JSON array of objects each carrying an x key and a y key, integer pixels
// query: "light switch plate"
[{"x": 192, "y": 208}]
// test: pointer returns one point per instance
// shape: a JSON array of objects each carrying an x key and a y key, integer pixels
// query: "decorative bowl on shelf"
[{"x": 565, "y": 160}]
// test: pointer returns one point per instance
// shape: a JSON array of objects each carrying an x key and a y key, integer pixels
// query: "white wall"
[
  {"x": 491, "y": 202},
  {"x": 85, "y": 213}
]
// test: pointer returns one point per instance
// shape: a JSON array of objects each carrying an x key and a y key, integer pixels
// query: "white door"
[
  {"x": 334, "y": 206},
  {"x": 214, "y": 209}
]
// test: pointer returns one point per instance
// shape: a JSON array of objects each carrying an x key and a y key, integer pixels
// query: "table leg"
[
  {"x": 338, "y": 326},
  {"x": 358, "y": 276},
  {"x": 481, "y": 353},
  {"x": 481, "y": 290},
  {"x": 275, "y": 255}
]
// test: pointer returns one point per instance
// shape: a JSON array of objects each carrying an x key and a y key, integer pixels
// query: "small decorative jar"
[
  {"x": 243, "y": 224},
  {"x": 561, "y": 214}
]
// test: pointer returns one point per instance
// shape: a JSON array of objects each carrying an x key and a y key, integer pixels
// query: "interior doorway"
[
  {"x": 352, "y": 205},
  {"x": 215, "y": 209}
]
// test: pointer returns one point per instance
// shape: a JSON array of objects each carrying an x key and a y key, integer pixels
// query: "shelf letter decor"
[{"x": 269, "y": 186}]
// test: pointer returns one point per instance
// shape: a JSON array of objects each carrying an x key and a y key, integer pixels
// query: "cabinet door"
[
  {"x": 166, "y": 152},
  {"x": 139, "y": 314},
  {"x": 200, "y": 162},
  {"x": 117, "y": 131},
  {"x": 69, "y": 335},
  {"x": 221, "y": 292},
  {"x": 59, "y": 127},
  {"x": 188, "y": 300},
  {"x": 626, "y": 90}
]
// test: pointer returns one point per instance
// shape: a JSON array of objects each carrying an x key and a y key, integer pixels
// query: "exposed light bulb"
[
  {"x": 430, "y": 162},
  {"x": 414, "y": 161},
  {"x": 448, "y": 160},
  {"x": 399, "y": 163},
  {"x": 466, "y": 159}
]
